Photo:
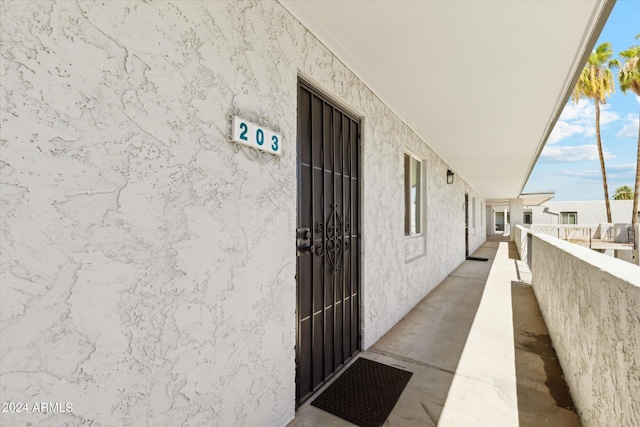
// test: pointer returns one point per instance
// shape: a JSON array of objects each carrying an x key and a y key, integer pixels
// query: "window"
[
  {"x": 527, "y": 217},
  {"x": 412, "y": 193},
  {"x": 569, "y": 217},
  {"x": 473, "y": 213}
]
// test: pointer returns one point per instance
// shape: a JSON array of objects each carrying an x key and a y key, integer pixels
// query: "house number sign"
[{"x": 256, "y": 136}]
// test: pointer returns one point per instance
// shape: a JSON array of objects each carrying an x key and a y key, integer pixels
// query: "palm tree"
[
  {"x": 629, "y": 77},
  {"x": 624, "y": 192},
  {"x": 596, "y": 82}
]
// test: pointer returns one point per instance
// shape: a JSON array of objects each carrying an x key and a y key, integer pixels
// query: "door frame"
[{"x": 466, "y": 224}]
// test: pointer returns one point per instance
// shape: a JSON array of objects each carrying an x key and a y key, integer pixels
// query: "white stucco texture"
[
  {"x": 590, "y": 303},
  {"x": 148, "y": 267}
]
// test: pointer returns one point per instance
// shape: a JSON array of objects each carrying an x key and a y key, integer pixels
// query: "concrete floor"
[{"x": 479, "y": 352}]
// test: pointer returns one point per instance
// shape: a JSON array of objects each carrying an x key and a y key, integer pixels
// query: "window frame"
[
  {"x": 568, "y": 216},
  {"x": 473, "y": 213},
  {"x": 419, "y": 206}
]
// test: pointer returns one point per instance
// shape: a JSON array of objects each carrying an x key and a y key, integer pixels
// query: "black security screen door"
[{"x": 328, "y": 240}]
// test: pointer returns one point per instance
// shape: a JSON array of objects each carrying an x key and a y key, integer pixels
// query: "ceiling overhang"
[
  {"x": 528, "y": 199},
  {"x": 482, "y": 83},
  {"x": 536, "y": 199}
]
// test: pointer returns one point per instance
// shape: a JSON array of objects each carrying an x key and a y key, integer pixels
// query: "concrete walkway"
[{"x": 479, "y": 351}]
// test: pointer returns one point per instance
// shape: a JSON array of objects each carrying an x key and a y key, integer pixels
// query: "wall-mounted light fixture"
[{"x": 450, "y": 176}]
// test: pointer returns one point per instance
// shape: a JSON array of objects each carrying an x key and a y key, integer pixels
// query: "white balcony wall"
[
  {"x": 148, "y": 268},
  {"x": 590, "y": 303}
]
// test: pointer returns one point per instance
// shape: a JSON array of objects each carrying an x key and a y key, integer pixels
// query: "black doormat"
[
  {"x": 365, "y": 393},
  {"x": 472, "y": 258}
]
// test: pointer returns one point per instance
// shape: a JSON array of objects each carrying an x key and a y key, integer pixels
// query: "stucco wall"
[
  {"x": 148, "y": 269},
  {"x": 520, "y": 238},
  {"x": 590, "y": 303}
]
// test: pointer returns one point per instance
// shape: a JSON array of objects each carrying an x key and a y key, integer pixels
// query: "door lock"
[{"x": 303, "y": 242}]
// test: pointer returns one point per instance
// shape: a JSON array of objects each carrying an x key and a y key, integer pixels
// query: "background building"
[{"x": 580, "y": 212}]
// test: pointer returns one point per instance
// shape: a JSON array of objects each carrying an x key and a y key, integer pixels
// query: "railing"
[{"x": 589, "y": 234}]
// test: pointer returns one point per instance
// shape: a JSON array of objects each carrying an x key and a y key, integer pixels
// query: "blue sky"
[{"x": 569, "y": 163}]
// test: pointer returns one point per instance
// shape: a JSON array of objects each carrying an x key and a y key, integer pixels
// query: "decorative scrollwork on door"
[
  {"x": 347, "y": 242},
  {"x": 319, "y": 229},
  {"x": 334, "y": 236}
]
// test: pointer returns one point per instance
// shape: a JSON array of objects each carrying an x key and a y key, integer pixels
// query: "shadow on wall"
[{"x": 536, "y": 359}]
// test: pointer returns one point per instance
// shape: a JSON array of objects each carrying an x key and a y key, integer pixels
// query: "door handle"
[{"x": 307, "y": 249}]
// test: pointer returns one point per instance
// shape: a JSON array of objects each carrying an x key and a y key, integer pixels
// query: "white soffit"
[
  {"x": 528, "y": 199},
  {"x": 536, "y": 199},
  {"x": 482, "y": 82}
]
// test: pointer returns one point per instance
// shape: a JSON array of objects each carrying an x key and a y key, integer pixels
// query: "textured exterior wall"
[
  {"x": 589, "y": 212},
  {"x": 147, "y": 275},
  {"x": 520, "y": 238},
  {"x": 148, "y": 269},
  {"x": 591, "y": 304},
  {"x": 490, "y": 221},
  {"x": 516, "y": 215}
]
